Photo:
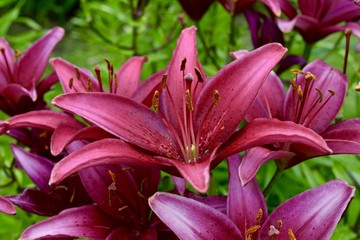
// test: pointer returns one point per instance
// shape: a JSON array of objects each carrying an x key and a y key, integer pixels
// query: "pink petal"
[
  {"x": 106, "y": 151},
  {"x": 6, "y": 77},
  {"x": 33, "y": 62},
  {"x": 344, "y": 137},
  {"x": 66, "y": 71},
  {"x": 190, "y": 219},
  {"x": 311, "y": 215},
  {"x": 128, "y": 76},
  {"x": 237, "y": 85},
  {"x": 85, "y": 222},
  {"x": 270, "y": 101},
  {"x": 264, "y": 131},
  {"x": 255, "y": 158},
  {"x": 244, "y": 203},
  {"x": 6, "y": 206},
  {"x": 198, "y": 174},
  {"x": 122, "y": 117},
  {"x": 274, "y": 6},
  {"x": 36, "y": 167},
  {"x": 43, "y": 119}
]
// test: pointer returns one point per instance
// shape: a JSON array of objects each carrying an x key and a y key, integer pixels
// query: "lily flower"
[
  {"x": 193, "y": 117},
  {"x": 318, "y": 19},
  {"x": 308, "y": 215},
  {"x": 314, "y": 99},
  {"x": 121, "y": 212},
  {"x": 20, "y": 87}
]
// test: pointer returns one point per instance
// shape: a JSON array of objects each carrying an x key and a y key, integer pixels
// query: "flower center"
[
  {"x": 307, "y": 101},
  {"x": 275, "y": 231}
]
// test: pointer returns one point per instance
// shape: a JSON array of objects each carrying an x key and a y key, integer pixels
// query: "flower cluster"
[{"x": 98, "y": 162}]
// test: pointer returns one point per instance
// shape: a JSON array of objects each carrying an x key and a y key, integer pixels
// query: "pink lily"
[
  {"x": 318, "y": 18},
  {"x": 313, "y": 100},
  {"x": 20, "y": 87},
  {"x": 236, "y": 7},
  {"x": 308, "y": 215},
  {"x": 195, "y": 117}
]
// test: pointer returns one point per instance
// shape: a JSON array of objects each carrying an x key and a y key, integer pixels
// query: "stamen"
[
  {"x": 279, "y": 224},
  {"x": 164, "y": 80},
  {"x": 112, "y": 186},
  {"x": 72, "y": 195},
  {"x": 116, "y": 83},
  {"x": 71, "y": 82},
  {"x": 141, "y": 195},
  {"x": 183, "y": 62},
  {"x": 259, "y": 216},
  {"x": 155, "y": 100},
  {"x": 291, "y": 235},
  {"x": 216, "y": 97},
  {"x": 198, "y": 74},
  {"x": 98, "y": 76},
  {"x": 189, "y": 103},
  {"x": 320, "y": 94},
  {"x": 310, "y": 76}
]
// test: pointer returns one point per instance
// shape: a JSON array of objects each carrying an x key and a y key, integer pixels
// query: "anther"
[
  {"x": 296, "y": 71},
  {"x": 72, "y": 195},
  {"x": 71, "y": 82},
  {"x": 320, "y": 94},
  {"x": 252, "y": 230},
  {"x": 155, "y": 100},
  {"x": 293, "y": 83},
  {"x": 122, "y": 208},
  {"x": 291, "y": 235},
  {"x": 198, "y": 74},
  {"x": 89, "y": 85},
  {"x": 310, "y": 76},
  {"x": 331, "y": 92},
  {"x": 189, "y": 103},
  {"x": 183, "y": 62},
  {"x": 98, "y": 76},
  {"x": 189, "y": 77},
  {"x": 259, "y": 216},
  {"x": 77, "y": 73},
  {"x": 141, "y": 195},
  {"x": 18, "y": 53},
  {"x": 300, "y": 93},
  {"x": 116, "y": 83},
  {"x": 279, "y": 224},
  {"x": 216, "y": 97},
  {"x": 164, "y": 80}
]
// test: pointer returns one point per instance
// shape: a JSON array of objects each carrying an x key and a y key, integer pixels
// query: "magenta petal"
[
  {"x": 6, "y": 77},
  {"x": 198, "y": 174},
  {"x": 86, "y": 222},
  {"x": 6, "y": 206},
  {"x": 66, "y": 71},
  {"x": 185, "y": 49},
  {"x": 237, "y": 85},
  {"x": 274, "y": 6},
  {"x": 244, "y": 203},
  {"x": 311, "y": 215},
  {"x": 36, "y": 167},
  {"x": 255, "y": 158},
  {"x": 106, "y": 151},
  {"x": 270, "y": 100},
  {"x": 344, "y": 137},
  {"x": 128, "y": 76},
  {"x": 123, "y": 117},
  {"x": 33, "y": 62},
  {"x": 43, "y": 119},
  {"x": 190, "y": 219},
  {"x": 262, "y": 131}
]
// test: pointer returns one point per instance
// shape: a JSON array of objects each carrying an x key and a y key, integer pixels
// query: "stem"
[
  {"x": 207, "y": 49},
  {"x": 231, "y": 42},
  {"x": 274, "y": 178},
  {"x": 347, "y": 33},
  {"x": 307, "y": 51},
  {"x": 134, "y": 40}
]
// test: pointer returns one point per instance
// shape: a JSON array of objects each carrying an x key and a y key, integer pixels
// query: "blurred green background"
[{"x": 117, "y": 30}]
